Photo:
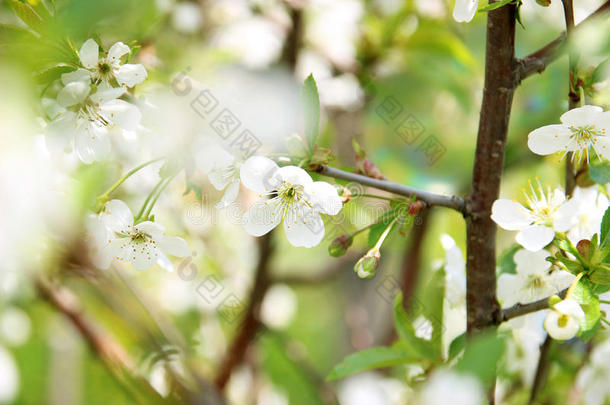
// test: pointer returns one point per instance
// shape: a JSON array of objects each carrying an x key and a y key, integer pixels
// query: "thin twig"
[
  {"x": 537, "y": 61},
  {"x": 524, "y": 309},
  {"x": 542, "y": 369},
  {"x": 453, "y": 202}
]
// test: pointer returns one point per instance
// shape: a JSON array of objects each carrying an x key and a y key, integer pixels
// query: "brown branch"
[
  {"x": 537, "y": 61},
  {"x": 251, "y": 323},
  {"x": 453, "y": 202},
  {"x": 524, "y": 309},
  {"x": 542, "y": 369},
  {"x": 483, "y": 309}
]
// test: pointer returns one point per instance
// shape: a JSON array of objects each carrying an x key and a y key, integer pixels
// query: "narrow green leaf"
[
  {"x": 457, "y": 345},
  {"x": 496, "y": 5},
  {"x": 604, "y": 231},
  {"x": 404, "y": 328},
  {"x": 311, "y": 110},
  {"x": 600, "y": 173},
  {"x": 369, "y": 359},
  {"x": 481, "y": 356},
  {"x": 27, "y": 14}
]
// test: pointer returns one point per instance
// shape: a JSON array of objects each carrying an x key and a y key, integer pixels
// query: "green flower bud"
[
  {"x": 339, "y": 245},
  {"x": 544, "y": 3},
  {"x": 367, "y": 265}
]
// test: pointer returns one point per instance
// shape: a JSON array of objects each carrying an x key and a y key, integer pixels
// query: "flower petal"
[
  {"x": 73, "y": 93},
  {"x": 126, "y": 115},
  {"x": 107, "y": 93},
  {"x": 89, "y": 54},
  {"x": 60, "y": 131},
  {"x": 92, "y": 142},
  {"x": 528, "y": 262},
  {"x": 263, "y": 216},
  {"x": 304, "y": 228},
  {"x": 582, "y": 116},
  {"x": 510, "y": 215},
  {"x": 324, "y": 197},
  {"x": 116, "y": 51},
  {"x": 294, "y": 175},
  {"x": 130, "y": 74},
  {"x": 174, "y": 246},
  {"x": 117, "y": 216},
  {"x": 465, "y": 10},
  {"x": 79, "y": 75},
  {"x": 550, "y": 139},
  {"x": 164, "y": 262},
  {"x": 258, "y": 174},
  {"x": 567, "y": 331},
  {"x": 535, "y": 237},
  {"x": 230, "y": 195},
  {"x": 153, "y": 229},
  {"x": 602, "y": 147}
]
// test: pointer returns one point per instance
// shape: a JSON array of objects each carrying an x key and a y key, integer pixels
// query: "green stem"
[
  {"x": 159, "y": 192},
  {"x": 384, "y": 234},
  {"x": 381, "y": 197},
  {"x": 150, "y": 195},
  {"x": 604, "y": 302},
  {"x": 573, "y": 285},
  {"x": 604, "y": 320},
  {"x": 581, "y": 89},
  {"x": 126, "y": 176}
]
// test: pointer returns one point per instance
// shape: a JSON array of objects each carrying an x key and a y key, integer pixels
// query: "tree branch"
[
  {"x": 250, "y": 324},
  {"x": 453, "y": 202},
  {"x": 524, "y": 309},
  {"x": 537, "y": 61}
]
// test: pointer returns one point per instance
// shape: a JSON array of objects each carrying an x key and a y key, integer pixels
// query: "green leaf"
[
  {"x": 496, "y": 5},
  {"x": 369, "y": 359},
  {"x": 457, "y": 345},
  {"x": 506, "y": 263},
  {"x": 481, "y": 356},
  {"x": 600, "y": 173},
  {"x": 584, "y": 295},
  {"x": 53, "y": 73},
  {"x": 382, "y": 223},
  {"x": 27, "y": 14},
  {"x": 311, "y": 109},
  {"x": 604, "y": 231},
  {"x": 600, "y": 275},
  {"x": 404, "y": 328}
]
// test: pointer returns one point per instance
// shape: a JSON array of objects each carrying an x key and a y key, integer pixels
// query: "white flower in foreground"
[
  {"x": 143, "y": 244},
  {"x": 534, "y": 278},
  {"x": 545, "y": 213},
  {"x": 563, "y": 321},
  {"x": 87, "y": 120},
  {"x": 296, "y": 199},
  {"x": 581, "y": 129},
  {"x": 447, "y": 386},
  {"x": 9, "y": 383},
  {"x": 222, "y": 169},
  {"x": 108, "y": 67},
  {"x": 465, "y": 10}
]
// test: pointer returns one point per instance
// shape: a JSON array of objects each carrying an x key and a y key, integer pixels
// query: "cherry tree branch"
[
  {"x": 537, "y": 62},
  {"x": 453, "y": 202},
  {"x": 524, "y": 309}
]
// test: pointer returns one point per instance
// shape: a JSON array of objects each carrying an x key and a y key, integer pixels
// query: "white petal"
[
  {"x": 10, "y": 382},
  {"x": 258, "y": 173},
  {"x": 126, "y": 115},
  {"x": 51, "y": 107},
  {"x": 510, "y": 215},
  {"x": 582, "y": 116},
  {"x": 304, "y": 228},
  {"x": 164, "y": 262},
  {"x": 79, "y": 75},
  {"x": 263, "y": 216},
  {"x": 528, "y": 262},
  {"x": 535, "y": 237},
  {"x": 144, "y": 256},
  {"x": 229, "y": 196},
  {"x": 89, "y": 54},
  {"x": 92, "y": 143},
  {"x": 174, "y": 246},
  {"x": 509, "y": 286},
  {"x": 130, "y": 74},
  {"x": 571, "y": 308},
  {"x": 602, "y": 146},
  {"x": 107, "y": 93},
  {"x": 60, "y": 131},
  {"x": 118, "y": 248},
  {"x": 550, "y": 139},
  {"x": 116, "y": 51},
  {"x": 324, "y": 197},
  {"x": 465, "y": 10},
  {"x": 294, "y": 175},
  {"x": 117, "y": 216},
  {"x": 153, "y": 229},
  {"x": 565, "y": 217},
  {"x": 568, "y": 331},
  {"x": 73, "y": 93}
]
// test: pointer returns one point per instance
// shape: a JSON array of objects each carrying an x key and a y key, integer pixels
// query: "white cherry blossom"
[
  {"x": 108, "y": 67},
  {"x": 465, "y": 10},
  {"x": 447, "y": 386},
  {"x": 589, "y": 208},
  {"x": 534, "y": 279},
  {"x": 86, "y": 119},
  {"x": 296, "y": 199},
  {"x": 581, "y": 129},
  {"x": 143, "y": 244},
  {"x": 544, "y": 213},
  {"x": 222, "y": 169},
  {"x": 563, "y": 322}
]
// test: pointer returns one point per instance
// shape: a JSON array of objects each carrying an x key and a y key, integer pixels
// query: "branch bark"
[
  {"x": 524, "y": 309},
  {"x": 483, "y": 309},
  {"x": 453, "y": 202}
]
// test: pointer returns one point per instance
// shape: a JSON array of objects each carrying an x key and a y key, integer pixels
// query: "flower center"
[
  {"x": 535, "y": 282},
  {"x": 542, "y": 204},
  {"x": 139, "y": 237},
  {"x": 562, "y": 321},
  {"x": 585, "y": 137}
]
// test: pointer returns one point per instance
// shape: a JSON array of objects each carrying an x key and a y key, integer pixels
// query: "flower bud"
[
  {"x": 553, "y": 300},
  {"x": 367, "y": 265},
  {"x": 340, "y": 244},
  {"x": 584, "y": 247},
  {"x": 416, "y": 207},
  {"x": 544, "y": 3},
  {"x": 345, "y": 195}
]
